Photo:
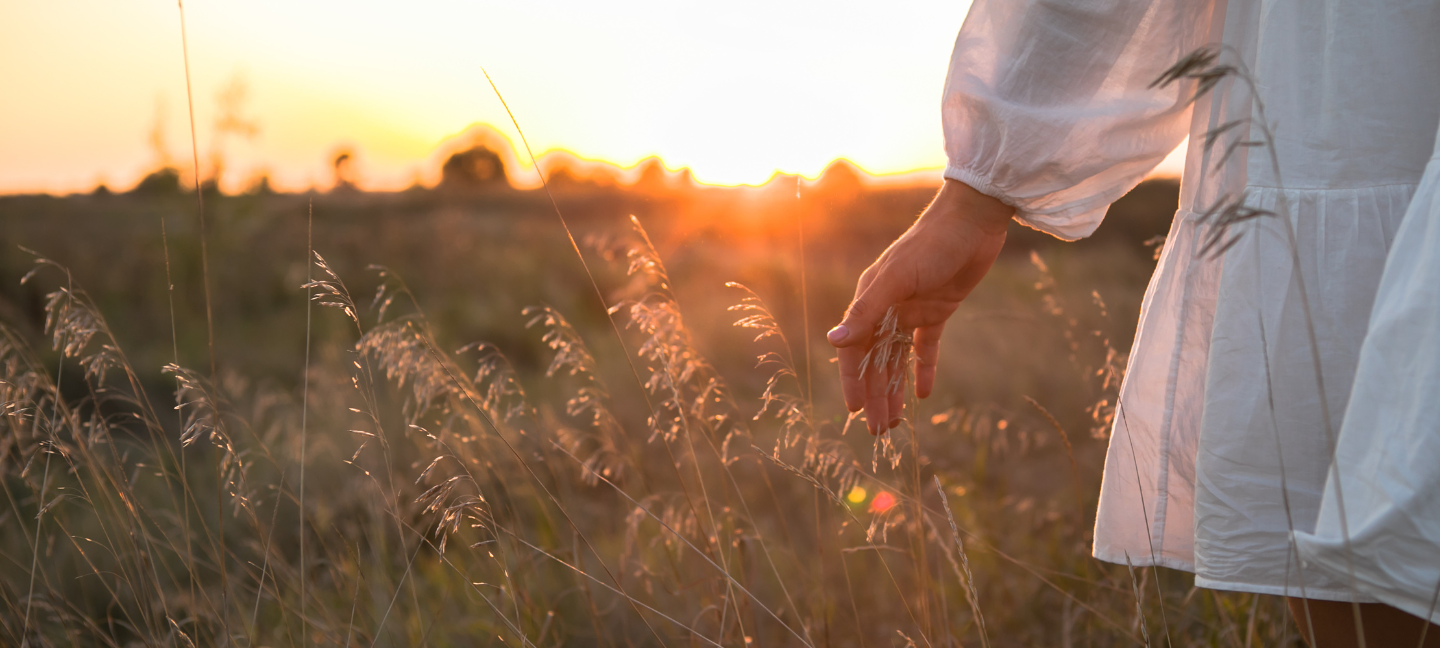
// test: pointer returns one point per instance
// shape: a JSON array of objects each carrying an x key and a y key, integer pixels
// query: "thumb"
[{"x": 865, "y": 312}]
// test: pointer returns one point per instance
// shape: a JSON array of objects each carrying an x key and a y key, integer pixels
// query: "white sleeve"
[{"x": 1047, "y": 104}]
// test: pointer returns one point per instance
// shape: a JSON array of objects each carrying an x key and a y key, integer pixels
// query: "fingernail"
[{"x": 838, "y": 334}]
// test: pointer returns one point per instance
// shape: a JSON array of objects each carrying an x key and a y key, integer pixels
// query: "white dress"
[{"x": 1224, "y": 438}]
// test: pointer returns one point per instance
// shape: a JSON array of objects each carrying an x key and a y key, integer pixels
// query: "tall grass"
[{"x": 475, "y": 499}]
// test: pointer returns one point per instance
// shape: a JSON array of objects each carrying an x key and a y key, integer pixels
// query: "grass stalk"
[
  {"x": 209, "y": 311},
  {"x": 967, "y": 582},
  {"x": 305, "y": 406}
]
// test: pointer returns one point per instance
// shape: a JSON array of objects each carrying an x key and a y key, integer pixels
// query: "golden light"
[
  {"x": 736, "y": 92},
  {"x": 733, "y": 91}
]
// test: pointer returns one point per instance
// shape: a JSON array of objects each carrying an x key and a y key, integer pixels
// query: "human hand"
[{"x": 924, "y": 274}]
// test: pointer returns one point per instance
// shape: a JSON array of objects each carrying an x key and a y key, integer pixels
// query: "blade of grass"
[
  {"x": 209, "y": 311},
  {"x": 687, "y": 543},
  {"x": 305, "y": 405},
  {"x": 44, "y": 482},
  {"x": 968, "y": 582}
]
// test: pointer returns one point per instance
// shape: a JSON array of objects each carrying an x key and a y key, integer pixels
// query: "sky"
[{"x": 93, "y": 91}]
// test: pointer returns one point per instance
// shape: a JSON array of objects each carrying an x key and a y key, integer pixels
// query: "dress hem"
[
  {"x": 1145, "y": 560},
  {"x": 1314, "y": 594},
  {"x": 1343, "y": 596}
]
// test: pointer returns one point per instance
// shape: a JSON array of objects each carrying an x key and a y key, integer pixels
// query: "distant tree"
[
  {"x": 261, "y": 186},
  {"x": 165, "y": 180},
  {"x": 474, "y": 168},
  {"x": 564, "y": 177}
]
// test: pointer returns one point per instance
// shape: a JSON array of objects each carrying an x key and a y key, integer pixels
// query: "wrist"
[{"x": 960, "y": 201}]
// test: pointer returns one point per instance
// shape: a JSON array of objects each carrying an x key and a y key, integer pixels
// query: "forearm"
[{"x": 959, "y": 204}]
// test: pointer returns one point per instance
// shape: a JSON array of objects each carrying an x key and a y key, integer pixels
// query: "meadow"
[{"x": 471, "y": 435}]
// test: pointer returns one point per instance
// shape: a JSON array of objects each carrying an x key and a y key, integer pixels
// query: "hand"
[{"x": 925, "y": 274}]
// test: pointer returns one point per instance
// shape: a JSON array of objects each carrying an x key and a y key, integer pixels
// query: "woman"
[{"x": 1299, "y": 278}]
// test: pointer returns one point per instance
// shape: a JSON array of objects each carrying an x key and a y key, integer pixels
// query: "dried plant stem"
[
  {"x": 1149, "y": 533},
  {"x": 265, "y": 564},
  {"x": 424, "y": 541},
  {"x": 1139, "y": 611},
  {"x": 712, "y": 535},
  {"x": 597, "y": 581},
  {"x": 889, "y": 353},
  {"x": 836, "y": 498},
  {"x": 967, "y": 582},
  {"x": 1434, "y": 599},
  {"x": 199, "y": 190},
  {"x": 209, "y": 312},
  {"x": 1201, "y": 66},
  {"x": 1330, "y": 432},
  {"x": 681, "y": 537},
  {"x": 519, "y": 459},
  {"x": 854, "y": 609},
  {"x": 355, "y": 598},
  {"x": 1069, "y": 449},
  {"x": 1011, "y": 559},
  {"x": 805, "y": 309},
  {"x": 40, "y": 504},
  {"x": 179, "y": 416},
  {"x": 917, "y": 538},
  {"x": 810, "y": 388},
  {"x": 610, "y": 317},
  {"x": 305, "y": 407},
  {"x": 1284, "y": 483}
]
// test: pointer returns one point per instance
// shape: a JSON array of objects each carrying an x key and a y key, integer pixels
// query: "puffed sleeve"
[{"x": 1048, "y": 104}]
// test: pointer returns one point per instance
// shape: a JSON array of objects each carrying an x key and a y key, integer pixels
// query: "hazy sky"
[{"x": 735, "y": 90}]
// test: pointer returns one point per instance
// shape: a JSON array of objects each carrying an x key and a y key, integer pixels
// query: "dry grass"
[{"x": 532, "y": 490}]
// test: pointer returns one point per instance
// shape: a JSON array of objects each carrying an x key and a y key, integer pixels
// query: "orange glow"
[
  {"x": 883, "y": 502},
  {"x": 734, "y": 92}
]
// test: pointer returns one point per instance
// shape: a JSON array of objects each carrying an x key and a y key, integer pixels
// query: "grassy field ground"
[{"x": 463, "y": 441}]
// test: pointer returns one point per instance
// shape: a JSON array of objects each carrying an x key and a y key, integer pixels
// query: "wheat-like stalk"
[{"x": 890, "y": 351}]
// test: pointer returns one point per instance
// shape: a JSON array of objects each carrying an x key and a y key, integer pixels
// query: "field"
[{"x": 473, "y": 437}]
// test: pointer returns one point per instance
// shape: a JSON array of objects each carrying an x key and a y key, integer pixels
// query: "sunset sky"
[{"x": 734, "y": 90}]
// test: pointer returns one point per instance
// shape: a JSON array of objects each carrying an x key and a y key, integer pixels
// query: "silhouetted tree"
[
  {"x": 165, "y": 180},
  {"x": 474, "y": 168}
]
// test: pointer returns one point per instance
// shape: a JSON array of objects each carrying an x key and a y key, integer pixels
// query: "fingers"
[
  {"x": 853, "y": 337},
  {"x": 871, "y": 301},
  {"x": 896, "y": 400},
  {"x": 852, "y": 385},
  {"x": 927, "y": 357},
  {"x": 877, "y": 401}
]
